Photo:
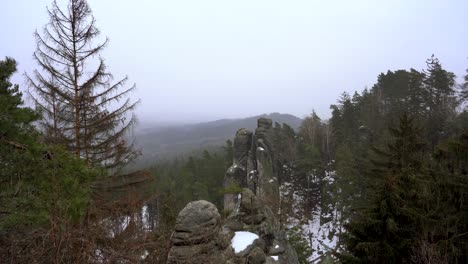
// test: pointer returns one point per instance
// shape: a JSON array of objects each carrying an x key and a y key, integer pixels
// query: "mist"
[{"x": 196, "y": 61}]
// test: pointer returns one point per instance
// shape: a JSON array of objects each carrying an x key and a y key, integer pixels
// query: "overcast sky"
[{"x": 198, "y": 60}]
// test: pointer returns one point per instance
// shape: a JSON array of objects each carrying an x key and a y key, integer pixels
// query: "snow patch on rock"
[{"x": 242, "y": 239}]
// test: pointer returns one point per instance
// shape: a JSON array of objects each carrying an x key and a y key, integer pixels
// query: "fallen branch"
[{"x": 12, "y": 143}]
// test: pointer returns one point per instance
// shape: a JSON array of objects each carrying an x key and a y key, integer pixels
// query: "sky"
[{"x": 201, "y": 60}]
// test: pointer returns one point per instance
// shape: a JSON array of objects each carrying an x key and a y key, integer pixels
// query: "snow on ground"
[
  {"x": 321, "y": 234},
  {"x": 274, "y": 257},
  {"x": 99, "y": 256},
  {"x": 148, "y": 221},
  {"x": 145, "y": 216},
  {"x": 242, "y": 239},
  {"x": 145, "y": 255}
]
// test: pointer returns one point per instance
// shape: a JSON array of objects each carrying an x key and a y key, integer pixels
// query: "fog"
[{"x": 210, "y": 59}]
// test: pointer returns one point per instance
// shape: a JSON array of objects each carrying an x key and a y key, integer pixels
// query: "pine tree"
[
  {"x": 16, "y": 130},
  {"x": 31, "y": 193},
  {"x": 80, "y": 104},
  {"x": 15, "y": 121}
]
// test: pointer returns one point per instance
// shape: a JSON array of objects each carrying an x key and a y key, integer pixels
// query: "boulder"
[
  {"x": 256, "y": 256},
  {"x": 198, "y": 237},
  {"x": 197, "y": 222},
  {"x": 251, "y": 202}
]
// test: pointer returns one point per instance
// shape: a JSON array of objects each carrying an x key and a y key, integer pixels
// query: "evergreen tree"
[
  {"x": 199, "y": 176},
  {"x": 385, "y": 231},
  {"x": 16, "y": 133},
  {"x": 300, "y": 244},
  {"x": 441, "y": 101},
  {"x": 464, "y": 90},
  {"x": 39, "y": 185},
  {"x": 15, "y": 121},
  {"x": 284, "y": 144},
  {"x": 80, "y": 105},
  {"x": 348, "y": 186},
  {"x": 447, "y": 234},
  {"x": 345, "y": 120},
  {"x": 228, "y": 153}
]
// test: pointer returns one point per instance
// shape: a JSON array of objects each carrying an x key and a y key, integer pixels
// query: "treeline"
[
  {"x": 389, "y": 169},
  {"x": 401, "y": 158},
  {"x": 196, "y": 177}
]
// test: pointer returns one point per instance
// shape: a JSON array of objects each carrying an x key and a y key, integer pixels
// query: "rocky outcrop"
[
  {"x": 242, "y": 144},
  {"x": 255, "y": 216},
  {"x": 236, "y": 175},
  {"x": 254, "y": 165},
  {"x": 251, "y": 201},
  {"x": 267, "y": 186},
  {"x": 198, "y": 237}
]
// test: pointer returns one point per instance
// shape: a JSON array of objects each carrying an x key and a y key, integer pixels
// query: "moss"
[{"x": 231, "y": 189}]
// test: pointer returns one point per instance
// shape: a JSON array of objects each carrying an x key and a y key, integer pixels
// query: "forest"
[{"x": 384, "y": 180}]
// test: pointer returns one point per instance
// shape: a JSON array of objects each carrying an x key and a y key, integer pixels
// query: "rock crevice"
[{"x": 252, "y": 204}]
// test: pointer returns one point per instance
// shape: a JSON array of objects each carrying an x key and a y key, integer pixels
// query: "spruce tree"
[
  {"x": 446, "y": 203},
  {"x": 464, "y": 91},
  {"x": 348, "y": 185},
  {"x": 440, "y": 101},
  {"x": 80, "y": 104},
  {"x": 385, "y": 231}
]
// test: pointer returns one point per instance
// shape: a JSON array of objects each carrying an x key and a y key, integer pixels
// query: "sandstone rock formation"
[
  {"x": 236, "y": 175},
  {"x": 198, "y": 237},
  {"x": 255, "y": 216},
  {"x": 254, "y": 165},
  {"x": 252, "y": 205}
]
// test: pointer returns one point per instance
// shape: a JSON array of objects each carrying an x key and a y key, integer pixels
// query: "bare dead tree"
[{"x": 82, "y": 106}]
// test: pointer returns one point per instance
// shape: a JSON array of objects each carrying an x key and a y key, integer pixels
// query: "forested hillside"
[
  {"x": 165, "y": 143},
  {"x": 382, "y": 179},
  {"x": 396, "y": 170}
]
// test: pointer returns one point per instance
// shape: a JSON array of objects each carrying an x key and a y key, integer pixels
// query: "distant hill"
[{"x": 167, "y": 142}]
